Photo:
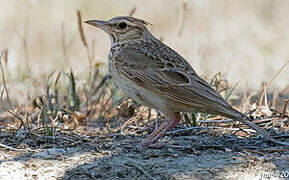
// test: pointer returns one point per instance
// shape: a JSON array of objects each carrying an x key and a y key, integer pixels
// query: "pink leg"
[{"x": 160, "y": 131}]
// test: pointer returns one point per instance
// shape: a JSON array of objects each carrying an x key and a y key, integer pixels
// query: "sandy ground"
[{"x": 186, "y": 156}]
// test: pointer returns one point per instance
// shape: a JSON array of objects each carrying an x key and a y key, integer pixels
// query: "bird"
[{"x": 154, "y": 75}]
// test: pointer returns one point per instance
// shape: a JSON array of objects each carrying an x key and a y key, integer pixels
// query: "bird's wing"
[
  {"x": 165, "y": 72},
  {"x": 168, "y": 74}
]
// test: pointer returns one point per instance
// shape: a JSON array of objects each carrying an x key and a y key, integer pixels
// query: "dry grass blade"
[
  {"x": 45, "y": 121},
  {"x": 190, "y": 122},
  {"x": 26, "y": 51},
  {"x": 47, "y": 88},
  {"x": 97, "y": 95},
  {"x": 285, "y": 106},
  {"x": 112, "y": 109},
  {"x": 102, "y": 82},
  {"x": 215, "y": 80},
  {"x": 278, "y": 72},
  {"x": 56, "y": 88},
  {"x": 182, "y": 17},
  {"x": 264, "y": 95},
  {"x": 80, "y": 29},
  {"x": 94, "y": 88},
  {"x": 132, "y": 11},
  {"x": 26, "y": 127},
  {"x": 6, "y": 56},
  {"x": 271, "y": 81},
  {"x": 3, "y": 79},
  {"x": 131, "y": 120},
  {"x": 57, "y": 79},
  {"x": 90, "y": 56},
  {"x": 2, "y": 93},
  {"x": 92, "y": 83},
  {"x": 230, "y": 91},
  {"x": 149, "y": 114}
]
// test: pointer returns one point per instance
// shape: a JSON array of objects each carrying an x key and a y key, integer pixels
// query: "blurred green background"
[{"x": 248, "y": 41}]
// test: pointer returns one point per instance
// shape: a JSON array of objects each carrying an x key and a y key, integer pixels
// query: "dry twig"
[
  {"x": 3, "y": 78},
  {"x": 10, "y": 148},
  {"x": 271, "y": 81}
]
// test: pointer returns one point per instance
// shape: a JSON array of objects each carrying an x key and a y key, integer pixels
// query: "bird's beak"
[{"x": 98, "y": 23}]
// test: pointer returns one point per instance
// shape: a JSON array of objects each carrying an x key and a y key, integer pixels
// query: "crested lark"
[{"x": 153, "y": 74}]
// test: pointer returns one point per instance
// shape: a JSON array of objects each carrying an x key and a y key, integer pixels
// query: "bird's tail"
[{"x": 245, "y": 120}]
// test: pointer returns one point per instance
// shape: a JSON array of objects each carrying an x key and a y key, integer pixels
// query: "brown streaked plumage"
[{"x": 155, "y": 75}]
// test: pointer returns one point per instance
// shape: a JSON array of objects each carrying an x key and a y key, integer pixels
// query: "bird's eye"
[{"x": 122, "y": 25}]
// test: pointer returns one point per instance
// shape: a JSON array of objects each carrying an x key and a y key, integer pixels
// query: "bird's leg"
[{"x": 174, "y": 119}]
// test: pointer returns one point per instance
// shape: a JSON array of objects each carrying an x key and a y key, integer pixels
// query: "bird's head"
[{"x": 122, "y": 28}]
